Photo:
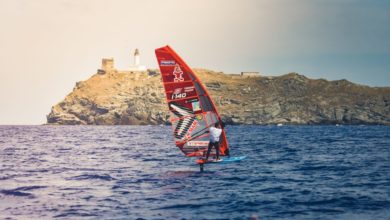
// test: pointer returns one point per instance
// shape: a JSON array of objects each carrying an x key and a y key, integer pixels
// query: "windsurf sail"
[{"x": 192, "y": 110}]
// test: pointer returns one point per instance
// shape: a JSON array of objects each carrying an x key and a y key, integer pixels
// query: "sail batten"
[{"x": 192, "y": 109}]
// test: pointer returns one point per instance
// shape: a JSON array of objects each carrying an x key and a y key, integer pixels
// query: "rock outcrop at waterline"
[{"x": 138, "y": 98}]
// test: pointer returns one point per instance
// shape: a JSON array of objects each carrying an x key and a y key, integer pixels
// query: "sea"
[{"x": 136, "y": 172}]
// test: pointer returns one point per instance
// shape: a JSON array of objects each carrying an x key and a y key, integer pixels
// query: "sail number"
[{"x": 179, "y": 95}]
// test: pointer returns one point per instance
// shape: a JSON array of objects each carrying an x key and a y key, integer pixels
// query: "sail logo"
[
  {"x": 197, "y": 143},
  {"x": 167, "y": 63},
  {"x": 199, "y": 117},
  {"x": 177, "y": 91},
  {"x": 189, "y": 89},
  {"x": 191, "y": 129},
  {"x": 178, "y": 73},
  {"x": 196, "y": 106}
]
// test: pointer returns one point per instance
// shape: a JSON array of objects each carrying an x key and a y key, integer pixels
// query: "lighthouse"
[
  {"x": 136, "y": 57},
  {"x": 108, "y": 65},
  {"x": 137, "y": 62}
]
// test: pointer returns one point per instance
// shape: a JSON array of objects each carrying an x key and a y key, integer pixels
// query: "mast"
[{"x": 192, "y": 109}]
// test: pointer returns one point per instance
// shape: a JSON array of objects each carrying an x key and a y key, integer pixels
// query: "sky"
[{"x": 46, "y": 46}]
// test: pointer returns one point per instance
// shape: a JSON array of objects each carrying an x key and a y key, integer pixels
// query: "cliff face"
[{"x": 138, "y": 98}]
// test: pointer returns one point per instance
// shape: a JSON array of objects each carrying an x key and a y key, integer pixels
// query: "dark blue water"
[{"x": 130, "y": 172}]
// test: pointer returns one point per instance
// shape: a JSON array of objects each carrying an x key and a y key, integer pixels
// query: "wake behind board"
[{"x": 223, "y": 161}]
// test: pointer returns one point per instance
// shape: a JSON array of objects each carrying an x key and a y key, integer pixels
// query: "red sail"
[{"x": 192, "y": 110}]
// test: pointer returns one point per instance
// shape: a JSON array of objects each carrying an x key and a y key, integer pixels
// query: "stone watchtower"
[{"x": 107, "y": 66}]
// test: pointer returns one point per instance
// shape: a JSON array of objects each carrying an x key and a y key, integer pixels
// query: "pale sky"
[{"x": 46, "y": 46}]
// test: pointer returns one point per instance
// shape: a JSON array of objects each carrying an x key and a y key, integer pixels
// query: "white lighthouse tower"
[
  {"x": 136, "y": 57},
  {"x": 137, "y": 66}
]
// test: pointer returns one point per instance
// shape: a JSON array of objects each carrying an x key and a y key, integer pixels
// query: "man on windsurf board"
[{"x": 215, "y": 133}]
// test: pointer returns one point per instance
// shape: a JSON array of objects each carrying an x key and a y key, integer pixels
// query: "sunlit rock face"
[{"x": 138, "y": 98}]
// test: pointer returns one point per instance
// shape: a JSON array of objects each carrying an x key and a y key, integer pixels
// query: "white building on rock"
[
  {"x": 137, "y": 61},
  {"x": 108, "y": 65}
]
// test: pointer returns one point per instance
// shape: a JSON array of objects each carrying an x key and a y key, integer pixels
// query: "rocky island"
[{"x": 137, "y": 98}]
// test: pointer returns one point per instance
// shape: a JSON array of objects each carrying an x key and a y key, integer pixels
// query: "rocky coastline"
[{"x": 138, "y": 98}]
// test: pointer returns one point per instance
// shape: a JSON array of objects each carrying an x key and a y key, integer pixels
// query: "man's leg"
[
  {"x": 208, "y": 150},
  {"x": 216, "y": 145}
]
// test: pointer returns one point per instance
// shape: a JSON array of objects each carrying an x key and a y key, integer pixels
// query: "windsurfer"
[{"x": 215, "y": 133}]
